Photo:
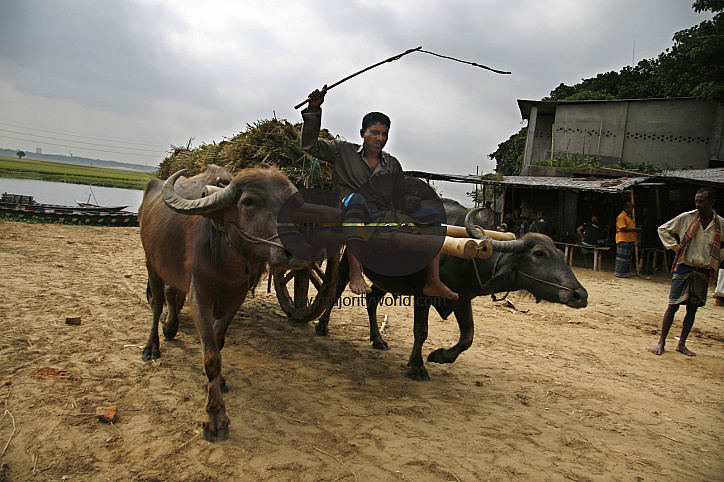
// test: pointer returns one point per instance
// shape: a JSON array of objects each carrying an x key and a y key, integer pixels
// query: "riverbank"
[{"x": 73, "y": 173}]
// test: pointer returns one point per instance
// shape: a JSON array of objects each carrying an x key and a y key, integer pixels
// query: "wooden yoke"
[
  {"x": 460, "y": 232},
  {"x": 467, "y": 248}
]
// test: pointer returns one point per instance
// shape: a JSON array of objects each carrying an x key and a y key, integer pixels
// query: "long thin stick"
[
  {"x": 391, "y": 59},
  {"x": 396, "y": 57},
  {"x": 466, "y": 62}
]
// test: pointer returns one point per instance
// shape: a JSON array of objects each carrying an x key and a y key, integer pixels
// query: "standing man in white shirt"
[{"x": 696, "y": 263}]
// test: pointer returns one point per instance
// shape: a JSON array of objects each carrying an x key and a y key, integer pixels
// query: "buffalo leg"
[
  {"x": 373, "y": 300},
  {"x": 220, "y": 327},
  {"x": 155, "y": 286},
  {"x": 174, "y": 303},
  {"x": 216, "y": 425},
  {"x": 417, "y": 369},
  {"x": 322, "y": 328},
  {"x": 464, "y": 314}
]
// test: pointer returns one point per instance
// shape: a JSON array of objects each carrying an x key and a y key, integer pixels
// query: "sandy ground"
[{"x": 544, "y": 393}]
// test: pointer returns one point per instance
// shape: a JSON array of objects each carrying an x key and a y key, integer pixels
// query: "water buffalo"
[
  {"x": 215, "y": 249},
  {"x": 187, "y": 188},
  {"x": 530, "y": 263}
]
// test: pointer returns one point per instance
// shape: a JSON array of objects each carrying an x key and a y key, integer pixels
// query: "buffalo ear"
[{"x": 501, "y": 281}]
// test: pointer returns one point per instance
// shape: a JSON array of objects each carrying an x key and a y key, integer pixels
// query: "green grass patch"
[{"x": 73, "y": 173}]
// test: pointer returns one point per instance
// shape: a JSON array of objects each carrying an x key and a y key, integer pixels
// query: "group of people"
[
  {"x": 522, "y": 220},
  {"x": 695, "y": 236}
]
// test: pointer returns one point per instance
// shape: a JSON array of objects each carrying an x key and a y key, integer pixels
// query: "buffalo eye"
[
  {"x": 247, "y": 201},
  {"x": 539, "y": 253}
]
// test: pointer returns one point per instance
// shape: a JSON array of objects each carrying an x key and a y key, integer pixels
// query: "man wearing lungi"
[
  {"x": 696, "y": 263},
  {"x": 626, "y": 231}
]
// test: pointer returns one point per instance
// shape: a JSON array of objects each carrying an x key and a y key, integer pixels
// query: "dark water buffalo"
[
  {"x": 531, "y": 263},
  {"x": 215, "y": 249}
]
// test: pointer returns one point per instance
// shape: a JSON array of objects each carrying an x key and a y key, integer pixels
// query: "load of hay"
[{"x": 272, "y": 141}]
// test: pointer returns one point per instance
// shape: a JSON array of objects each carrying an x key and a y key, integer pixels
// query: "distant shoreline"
[
  {"x": 78, "y": 160},
  {"x": 73, "y": 173}
]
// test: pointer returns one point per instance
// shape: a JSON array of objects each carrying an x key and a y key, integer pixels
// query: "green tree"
[
  {"x": 20, "y": 154},
  {"x": 509, "y": 154},
  {"x": 694, "y": 66}
]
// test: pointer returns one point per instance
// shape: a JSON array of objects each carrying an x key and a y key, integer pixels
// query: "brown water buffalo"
[
  {"x": 215, "y": 249},
  {"x": 188, "y": 188}
]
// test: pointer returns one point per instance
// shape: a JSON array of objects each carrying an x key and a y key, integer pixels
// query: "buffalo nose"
[{"x": 580, "y": 297}]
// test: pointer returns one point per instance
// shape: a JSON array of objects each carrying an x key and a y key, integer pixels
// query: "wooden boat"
[
  {"x": 25, "y": 207},
  {"x": 96, "y": 207}
]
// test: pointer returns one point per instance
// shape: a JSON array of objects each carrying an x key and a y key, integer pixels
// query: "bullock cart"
[{"x": 305, "y": 294}]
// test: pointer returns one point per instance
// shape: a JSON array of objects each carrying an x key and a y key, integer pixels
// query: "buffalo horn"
[
  {"x": 513, "y": 246},
  {"x": 205, "y": 205}
]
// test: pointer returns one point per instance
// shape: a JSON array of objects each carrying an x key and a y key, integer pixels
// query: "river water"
[{"x": 66, "y": 194}]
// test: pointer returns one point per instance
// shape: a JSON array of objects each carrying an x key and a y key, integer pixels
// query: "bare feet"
[
  {"x": 656, "y": 351},
  {"x": 439, "y": 289},
  {"x": 357, "y": 284},
  {"x": 684, "y": 350}
]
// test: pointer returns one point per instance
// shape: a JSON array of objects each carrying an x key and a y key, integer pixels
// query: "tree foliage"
[
  {"x": 20, "y": 154},
  {"x": 692, "y": 67},
  {"x": 272, "y": 141},
  {"x": 510, "y": 154}
]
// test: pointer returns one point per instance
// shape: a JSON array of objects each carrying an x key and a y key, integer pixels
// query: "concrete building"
[{"x": 682, "y": 133}]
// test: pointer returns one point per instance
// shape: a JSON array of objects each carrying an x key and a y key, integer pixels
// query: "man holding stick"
[
  {"x": 352, "y": 166},
  {"x": 696, "y": 263}
]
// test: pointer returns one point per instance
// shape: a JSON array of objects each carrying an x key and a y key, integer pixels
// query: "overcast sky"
[{"x": 89, "y": 76}]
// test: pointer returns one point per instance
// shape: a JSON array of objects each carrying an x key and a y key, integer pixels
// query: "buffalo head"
[
  {"x": 245, "y": 211},
  {"x": 532, "y": 263}
]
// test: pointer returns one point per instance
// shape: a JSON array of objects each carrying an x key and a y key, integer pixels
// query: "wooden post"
[
  {"x": 636, "y": 243},
  {"x": 502, "y": 208}
]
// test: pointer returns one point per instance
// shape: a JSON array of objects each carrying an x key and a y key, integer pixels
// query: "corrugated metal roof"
[
  {"x": 612, "y": 186},
  {"x": 709, "y": 177}
]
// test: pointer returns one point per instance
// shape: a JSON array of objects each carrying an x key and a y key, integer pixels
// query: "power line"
[
  {"x": 76, "y": 135},
  {"x": 81, "y": 147},
  {"x": 77, "y": 142}
]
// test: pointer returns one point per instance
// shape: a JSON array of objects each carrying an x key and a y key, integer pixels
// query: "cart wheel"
[{"x": 300, "y": 301}]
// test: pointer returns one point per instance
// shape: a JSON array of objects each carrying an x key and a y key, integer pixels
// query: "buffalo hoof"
[
  {"x": 419, "y": 374},
  {"x": 380, "y": 344},
  {"x": 150, "y": 354},
  {"x": 169, "y": 330},
  {"x": 217, "y": 431},
  {"x": 219, "y": 436},
  {"x": 321, "y": 330},
  {"x": 438, "y": 356}
]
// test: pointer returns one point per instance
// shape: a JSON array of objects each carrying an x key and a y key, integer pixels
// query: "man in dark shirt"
[
  {"x": 590, "y": 233},
  {"x": 352, "y": 166},
  {"x": 541, "y": 224}
]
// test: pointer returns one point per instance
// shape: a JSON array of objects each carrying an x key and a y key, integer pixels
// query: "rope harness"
[
  {"x": 250, "y": 238},
  {"x": 546, "y": 282},
  {"x": 480, "y": 281}
]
